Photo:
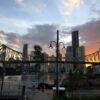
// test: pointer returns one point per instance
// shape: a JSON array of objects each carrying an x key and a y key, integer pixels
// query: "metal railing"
[{"x": 11, "y": 88}]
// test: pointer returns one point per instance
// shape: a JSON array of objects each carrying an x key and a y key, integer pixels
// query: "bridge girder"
[{"x": 7, "y": 53}]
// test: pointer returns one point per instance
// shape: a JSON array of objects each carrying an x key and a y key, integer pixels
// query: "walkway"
[{"x": 39, "y": 95}]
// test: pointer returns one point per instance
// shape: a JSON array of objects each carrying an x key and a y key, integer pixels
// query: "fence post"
[{"x": 23, "y": 92}]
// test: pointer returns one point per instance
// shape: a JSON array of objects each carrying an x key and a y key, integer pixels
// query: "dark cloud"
[
  {"x": 13, "y": 37},
  {"x": 41, "y": 33},
  {"x": 12, "y": 40},
  {"x": 90, "y": 31}
]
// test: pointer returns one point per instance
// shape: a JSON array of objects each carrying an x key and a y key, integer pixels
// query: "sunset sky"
[{"x": 36, "y": 22}]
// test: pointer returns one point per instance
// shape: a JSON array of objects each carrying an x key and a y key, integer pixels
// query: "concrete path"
[{"x": 39, "y": 95}]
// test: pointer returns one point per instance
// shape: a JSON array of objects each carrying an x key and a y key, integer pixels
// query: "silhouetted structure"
[
  {"x": 75, "y": 39},
  {"x": 75, "y": 46},
  {"x": 75, "y": 53},
  {"x": 25, "y": 52}
]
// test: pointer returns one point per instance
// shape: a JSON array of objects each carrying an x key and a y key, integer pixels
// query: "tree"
[
  {"x": 89, "y": 72},
  {"x": 38, "y": 56}
]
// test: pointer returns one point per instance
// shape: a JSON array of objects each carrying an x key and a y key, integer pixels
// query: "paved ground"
[
  {"x": 91, "y": 92},
  {"x": 39, "y": 95},
  {"x": 32, "y": 94},
  {"x": 47, "y": 94}
]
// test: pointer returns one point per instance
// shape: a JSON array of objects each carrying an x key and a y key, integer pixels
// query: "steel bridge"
[
  {"x": 8, "y": 54},
  {"x": 94, "y": 57}
]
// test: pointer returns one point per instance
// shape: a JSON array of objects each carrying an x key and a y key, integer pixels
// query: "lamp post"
[{"x": 57, "y": 43}]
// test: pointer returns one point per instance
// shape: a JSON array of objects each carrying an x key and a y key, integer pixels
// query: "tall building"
[
  {"x": 69, "y": 57},
  {"x": 75, "y": 46},
  {"x": 25, "y": 52},
  {"x": 80, "y": 57},
  {"x": 75, "y": 39},
  {"x": 75, "y": 53}
]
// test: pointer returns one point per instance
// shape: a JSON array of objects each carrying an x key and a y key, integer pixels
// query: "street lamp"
[{"x": 57, "y": 43}]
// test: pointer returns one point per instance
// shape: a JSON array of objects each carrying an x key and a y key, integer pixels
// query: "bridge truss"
[
  {"x": 94, "y": 57},
  {"x": 7, "y": 53}
]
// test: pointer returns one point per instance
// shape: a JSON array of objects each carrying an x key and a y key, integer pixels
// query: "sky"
[{"x": 36, "y": 22}]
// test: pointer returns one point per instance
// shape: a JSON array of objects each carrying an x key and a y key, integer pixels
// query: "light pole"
[{"x": 57, "y": 43}]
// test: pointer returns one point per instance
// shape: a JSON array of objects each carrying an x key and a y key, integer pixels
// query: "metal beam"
[{"x": 71, "y": 62}]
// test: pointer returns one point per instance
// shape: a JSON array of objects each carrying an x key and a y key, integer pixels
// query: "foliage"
[
  {"x": 75, "y": 80},
  {"x": 89, "y": 72},
  {"x": 38, "y": 56}
]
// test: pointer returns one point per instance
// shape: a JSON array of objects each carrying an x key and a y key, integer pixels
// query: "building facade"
[
  {"x": 80, "y": 52},
  {"x": 75, "y": 53}
]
